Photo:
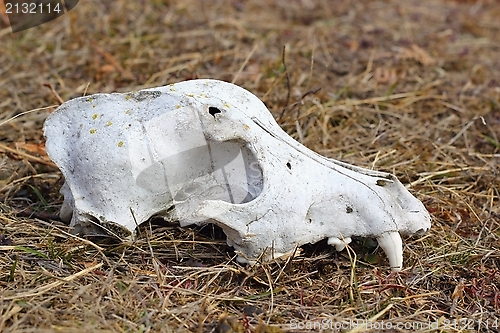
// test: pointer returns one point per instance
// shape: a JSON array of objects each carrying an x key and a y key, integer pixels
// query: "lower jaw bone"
[{"x": 206, "y": 150}]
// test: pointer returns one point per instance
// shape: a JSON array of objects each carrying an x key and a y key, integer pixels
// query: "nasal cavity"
[
  {"x": 420, "y": 231},
  {"x": 213, "y": 111}
]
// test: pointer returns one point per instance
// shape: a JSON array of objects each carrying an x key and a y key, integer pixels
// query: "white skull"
[{"x": 207, "y": 150}]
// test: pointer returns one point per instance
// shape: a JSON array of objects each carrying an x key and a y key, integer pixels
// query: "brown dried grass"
[{"x": 406, "y": 87}]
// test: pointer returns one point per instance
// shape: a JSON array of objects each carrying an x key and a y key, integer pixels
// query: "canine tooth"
[{"x": 392, "y": 245}]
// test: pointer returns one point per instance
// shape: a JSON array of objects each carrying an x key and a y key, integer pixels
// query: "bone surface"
[{"x": 207, "y": 150}]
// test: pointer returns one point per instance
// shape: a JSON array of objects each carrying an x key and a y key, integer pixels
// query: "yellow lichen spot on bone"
[
  {"x": 109, "y": 123},
  {"x": 246, "y": 127},
  {"x": 127, "y": 97},
  {"x": 177, "y": 106},
  {"x": 190, "y": 95},
  {"x": 120, "y": 144},
  {"x": 94, "y": 116},
  {"x": 227, "y": 105},
  {"x": 90, "y": 99},
  {"x": 93, "y": 131},
  {"x": 127, "y": 112}
]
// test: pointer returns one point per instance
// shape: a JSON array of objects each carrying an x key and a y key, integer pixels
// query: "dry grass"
[{"x": 409, "y": 87}]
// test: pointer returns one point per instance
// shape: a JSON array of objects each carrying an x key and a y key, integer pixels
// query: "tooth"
[
  {"x": 66, "y": 212},
  {"x": 392, "y": 245},
  {"x": 339, "y": 244}
]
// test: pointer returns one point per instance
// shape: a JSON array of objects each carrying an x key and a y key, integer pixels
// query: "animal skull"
[{"x": 206, "y": 150}]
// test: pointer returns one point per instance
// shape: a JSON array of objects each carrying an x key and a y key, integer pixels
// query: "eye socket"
[{"x": 213, "y": 111}]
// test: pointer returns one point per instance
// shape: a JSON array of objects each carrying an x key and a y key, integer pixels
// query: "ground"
[{"x": 407, "y": 87}]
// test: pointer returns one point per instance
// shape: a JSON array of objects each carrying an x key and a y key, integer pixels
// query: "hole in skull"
[
  {"x": 197, "y": 239},
  {"x": 288, "y": 165},
  {"x": 420, "y": 231},
  {"x": 213, "y": 111},
  {"x": 157, "y": 224},
  {"x": 211, "y": 231}
]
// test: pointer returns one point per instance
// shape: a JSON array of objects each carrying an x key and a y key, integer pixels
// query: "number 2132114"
[{"x": 32, "y": 8}]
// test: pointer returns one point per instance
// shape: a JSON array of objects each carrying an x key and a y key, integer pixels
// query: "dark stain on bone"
[
  {"x": 142, "y": 95},
  {"x": 348, "y": 210}
]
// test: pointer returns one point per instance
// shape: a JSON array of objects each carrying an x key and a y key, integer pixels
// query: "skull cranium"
[{"x": 209, "y": 150}]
